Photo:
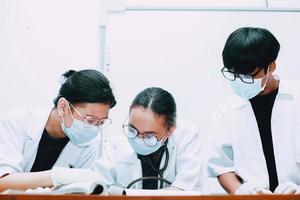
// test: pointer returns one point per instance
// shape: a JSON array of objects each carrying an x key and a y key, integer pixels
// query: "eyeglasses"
[
  {"x": 92, "y": 121},
  {"x": 232, "y": 76},
  {"x": 149, "y": 138}
]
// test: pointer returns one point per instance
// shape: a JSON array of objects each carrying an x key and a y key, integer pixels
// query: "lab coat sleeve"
[
  {"x": 12, "y": 139},
  {"x": 220, "y": 152},
  {"x": 188, "y": 161}
]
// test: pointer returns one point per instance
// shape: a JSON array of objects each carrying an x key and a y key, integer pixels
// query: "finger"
[
  {"x": 252, "y": 192},
  {"x": 264, "y": 191},
  {"x": 281, "y": 188}
]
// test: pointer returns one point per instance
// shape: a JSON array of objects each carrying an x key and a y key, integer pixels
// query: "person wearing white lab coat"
[
  {"x": 157, "y": 146},
  {"x": 66, "y": 135},
  {"x": 256, "y": 134},
  {"x": 21, "y": 132}
]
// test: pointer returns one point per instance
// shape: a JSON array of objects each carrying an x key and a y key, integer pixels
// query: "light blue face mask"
[
  {"x": 79, "y": 135},
  {"x": 139, "y": 146},
  {"x": 248, "y": 91}
]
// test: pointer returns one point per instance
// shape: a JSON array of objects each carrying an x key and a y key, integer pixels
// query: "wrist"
[
  {"x": 45, "y": 178},
  {"x": 245, "y": 189},
  {"x": 234, "y": 188}
]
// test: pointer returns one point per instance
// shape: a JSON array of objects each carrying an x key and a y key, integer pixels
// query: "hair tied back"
[{"x": 62, "y": 79}]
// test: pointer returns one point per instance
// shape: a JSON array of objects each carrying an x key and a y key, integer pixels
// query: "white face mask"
[
  {"x": 79, "y": 135},
  {"x": 248, "y": 91},
  {"x": 139, "y": 146}
]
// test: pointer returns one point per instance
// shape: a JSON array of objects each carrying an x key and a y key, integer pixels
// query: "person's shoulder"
[
  {"x": 290, "y": 87},
  {"x": 185, "y": 128},
  {"x": 24, "y": 116},
  {"x": 21, "y": 113},
  {"x": 185, "y": 125},
  {"x": 117, "y": 148},
  {"x": 26, "y": 121},
  {"x": 186, "y": 133},
  {"x": 230, "y": 103}
]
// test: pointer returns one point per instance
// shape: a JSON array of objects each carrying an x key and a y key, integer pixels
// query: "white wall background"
[{"x": 40, "y": 40}]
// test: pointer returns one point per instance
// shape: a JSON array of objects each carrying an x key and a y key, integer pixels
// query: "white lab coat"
[
  {"x": 236, "y": 144},
  {"x": 20, "y": 133},
  {"x": 120, "y": 165}
]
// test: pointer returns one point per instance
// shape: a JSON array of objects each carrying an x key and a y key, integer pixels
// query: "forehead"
[
  {"x": 258, "y": 71},
  {"x": 144, "y": 119},
  {"x": 99, "y": 110},
  {"x": 254, "y": 71}
]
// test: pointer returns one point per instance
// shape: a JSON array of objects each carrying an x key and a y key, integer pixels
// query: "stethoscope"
[{"x": 160, "y": 171}]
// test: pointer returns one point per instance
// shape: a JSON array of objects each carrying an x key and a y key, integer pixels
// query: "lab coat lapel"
[
  {"x": 68, "y": 157},
  {"x": 171, "y": 148},
  {"x": 128, "y": 169},
  {"x": 166, "y": 172},
  {"x": 137, "y": 173},
  {"x": 251, "y": 119},
  {"x": 247, "y": 117},
  {"x": 37, "y": 121},
  {"x": 248, "y": 126},
  {"x": 29, "y": 153}
]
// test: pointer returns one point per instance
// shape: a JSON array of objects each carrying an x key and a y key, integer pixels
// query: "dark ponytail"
[{"x": 85, "y": 86}]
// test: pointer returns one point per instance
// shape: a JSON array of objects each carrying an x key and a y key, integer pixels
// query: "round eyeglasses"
[{"x": 149, "y": 138}]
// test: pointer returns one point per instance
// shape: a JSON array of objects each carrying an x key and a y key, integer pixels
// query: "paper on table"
[
  {"x": 87, "y": 187},
  {"x": 162, "y": 192}
]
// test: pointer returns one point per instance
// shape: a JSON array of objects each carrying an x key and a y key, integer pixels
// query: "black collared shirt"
[
  {"x": 150, "y": 167},
  {"x": 262, "y": 107},
  {"x": 48, "y": 151}
]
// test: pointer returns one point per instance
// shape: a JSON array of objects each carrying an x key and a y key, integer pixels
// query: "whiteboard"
[{"x": 195, "y": 4}]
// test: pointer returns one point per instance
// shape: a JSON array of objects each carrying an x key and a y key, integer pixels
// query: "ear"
[
  {"x": 272, "y": 66},
  {"x": 171, "y": 130},
  {"x": 63, "y": 107},
  {"x": 169, "y": 133}
]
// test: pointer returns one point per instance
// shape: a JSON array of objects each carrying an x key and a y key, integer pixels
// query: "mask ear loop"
[
  {"x": 268, "y": 74},
  {"x": 63, "y": 115},
  {"x": 166, "y": 136}
]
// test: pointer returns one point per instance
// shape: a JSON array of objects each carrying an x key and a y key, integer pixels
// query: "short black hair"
[
  {"x": 86, "y": 86},
  {"x": 249, "y": 48},
  {"x": 160, "y": 101}
]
